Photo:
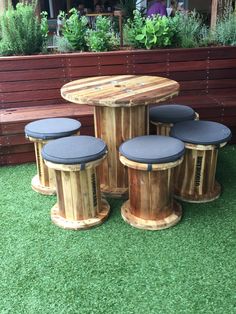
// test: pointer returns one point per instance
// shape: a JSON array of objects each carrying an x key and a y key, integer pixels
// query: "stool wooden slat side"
[
  {"x": 165, "y": 128},
  {"x": 151, "y": 205},
  {"x": 162, "y": 128},
  {"x": 43, "y": 182},
  {"x": 79, "y": 203},
  {"x": 195, "y": 177}
]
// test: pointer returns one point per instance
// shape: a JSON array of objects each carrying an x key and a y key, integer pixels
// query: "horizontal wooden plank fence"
[{"x": 30, "y": 87}]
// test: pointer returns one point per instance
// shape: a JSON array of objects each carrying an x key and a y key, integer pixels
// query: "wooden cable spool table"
[{"x": 120, "y": 112}]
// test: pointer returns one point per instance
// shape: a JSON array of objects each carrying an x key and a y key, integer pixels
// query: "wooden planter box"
[{"x": 30, "y": 87}]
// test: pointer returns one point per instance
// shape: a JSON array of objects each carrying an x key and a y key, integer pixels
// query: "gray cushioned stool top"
[
  {"x": 201, "y": 132},
  {"x": 74, "y": 150},
  {"x": 171, "y": 113},
  {"x": 52, "y": 128},
  {"x": 152, "y": 149}
]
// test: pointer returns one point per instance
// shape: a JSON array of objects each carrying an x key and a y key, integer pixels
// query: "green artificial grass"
[{"x": 115, "y": 268}]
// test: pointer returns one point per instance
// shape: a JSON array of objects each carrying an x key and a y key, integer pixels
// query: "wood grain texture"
[
  {"x": 44, "y": 181},
  {"x": 195, "y": 177},
  {"x": 79, "y": 204},
  {"x": 30, "y": 84},
  {"x": 120, "y": 114},
  {"x": 114, "y": 126},
  {"x": 150, "y": 205},
  {"x": 120, "y": 90}
]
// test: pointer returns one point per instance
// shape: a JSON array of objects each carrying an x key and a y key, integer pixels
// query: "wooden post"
[
  {"x": 68, "y": 5},
  {"x": 214, "y": 5},
  {"x": 4, "y": 4},
  {"x": 119, "y": 14}
]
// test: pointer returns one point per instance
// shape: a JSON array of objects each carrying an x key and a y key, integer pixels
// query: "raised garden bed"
[{"x": 30, "y": 87}]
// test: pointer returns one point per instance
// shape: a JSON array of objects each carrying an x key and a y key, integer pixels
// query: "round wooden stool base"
[
  {"x": 201, "y": 198},
  {"x": 80, "y": 224},
  {"x": 38, "y": 187},
  {"x": 114, "y": 192},
  {"x": 158, "y": 224}
]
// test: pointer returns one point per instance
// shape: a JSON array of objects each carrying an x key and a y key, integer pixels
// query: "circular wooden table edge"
[
  {"x": 156, "y": 89},
  {"x": 116, "y": 83}
]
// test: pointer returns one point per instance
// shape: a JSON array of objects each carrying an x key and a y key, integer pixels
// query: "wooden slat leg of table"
[{"x": 115, "y": 125}]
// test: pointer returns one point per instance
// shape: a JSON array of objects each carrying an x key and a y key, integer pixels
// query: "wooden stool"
[
  {"x": 40, "y": 132},
  {"x": 150, "y": 161},
  {"x": 195, "y": 177},
  {"x": 75, "y": 162},
  {"x": 165, "y": 116}
]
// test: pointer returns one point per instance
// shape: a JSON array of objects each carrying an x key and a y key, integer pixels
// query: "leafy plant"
[
  {"x": 74, "y": 29},
  {"x": 149, "y": 32},
  {"x": 156, "y": 32},
  {"x": 132, "y": 28},
  {"x": 44, "y": 26},
  {"x": 102, "y": 38},
  {"x": 20, "y": 31}
]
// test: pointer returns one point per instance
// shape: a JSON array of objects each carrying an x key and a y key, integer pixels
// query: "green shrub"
[
  {"x": 132, "y": 28},
  {"x": 102, "y": 38},
  {"x": 62, "y": 44},
  {"x": 225, "y": 31},
  {"x": 20, "y": 31},
  {"x": 74, "y": 29},
  {"x": 44, "y": 26},
  {"x": 188, "y": 30},
  {"x": 149, "y": 32}
]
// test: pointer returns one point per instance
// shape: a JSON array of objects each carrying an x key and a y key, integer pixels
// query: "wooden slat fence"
[{"x": 30, "y": 87}]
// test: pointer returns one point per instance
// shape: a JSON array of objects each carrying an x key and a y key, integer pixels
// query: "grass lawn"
[{"x": 115, "y": 268}]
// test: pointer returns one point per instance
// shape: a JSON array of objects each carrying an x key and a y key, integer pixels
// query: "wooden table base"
[
  {"x": 42, "y": 189},
  {"x": 80, "y": 224},
  {"x": 157, "y": 224},
  {"x": 114, "y": 126}
]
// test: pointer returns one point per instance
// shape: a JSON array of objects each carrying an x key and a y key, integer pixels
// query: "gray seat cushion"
[
  {"x": 171, "y": 113},
  {"x": 74, "y": 150},
  {"x": 201, "y": 132},
  {"x": 46, "y": 129},
  {"x": 152, "y": 149}
]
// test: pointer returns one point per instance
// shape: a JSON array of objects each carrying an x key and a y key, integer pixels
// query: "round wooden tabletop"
[{"x": 120, "y": 90}]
